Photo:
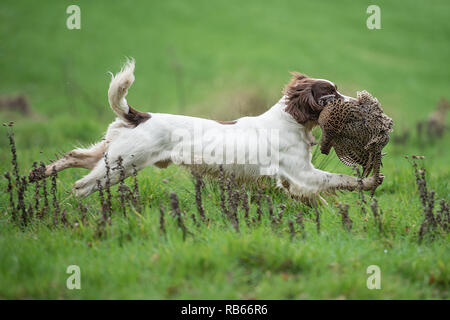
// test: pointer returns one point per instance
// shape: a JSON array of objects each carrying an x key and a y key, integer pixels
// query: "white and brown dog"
[{"x": 283, "y": 132}]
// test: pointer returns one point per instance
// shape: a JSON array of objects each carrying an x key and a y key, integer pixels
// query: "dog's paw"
[
  {"x": 36, "y": 174},
  {"x": 380, "y": 178},
  {"x": 82, "y": 189},
  {"x": 372, "y": 182},
  {"x": 82, "y": 192}
]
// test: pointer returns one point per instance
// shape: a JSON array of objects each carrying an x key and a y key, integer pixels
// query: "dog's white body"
[{"x": 152, "y": 142}]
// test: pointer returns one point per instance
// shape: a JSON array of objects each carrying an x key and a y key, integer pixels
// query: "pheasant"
[{"x": 357, "y": 130}]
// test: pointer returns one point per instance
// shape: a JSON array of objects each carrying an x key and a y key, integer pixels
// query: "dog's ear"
[
  {"x": 300, "y": 101},
  {"x": 298, "y": 76}
]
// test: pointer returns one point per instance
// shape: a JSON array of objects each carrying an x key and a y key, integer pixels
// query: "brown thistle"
[
  {"x": 443, "y": 215},
  {"x": 11, "y": 198},
  {"x": 12, "y": 145},
  {"x": 44, "y": 193},
  {"x": 233, "y": 202},
  {"x": 362, "y": 198},
  {"x": 64, "y": 218},
  {"x": 258, "y": 203},
  {"x": 36, "y": 190},
  {"x": 194, "y": 220},
  {"x": 427, "y": 199},
  {"x": 21, "y": 199},
  {"x": 291, "y": 228},
  {"x": 108, "y": 204},
  {"x": 83, "y": 211},
  {"x": 270, "y": 207},
  {"x": 317, "y": 220},
  {"x": 102, "y": 201},
  {"x": 161, "y": 220},
  {"x": 136, "y": 197},
  {"x": 430, "y": 208},
  {"x": 347, "y": 223},
  {"x": 245, "y": 205},
  {"x": 229, "y": 188},
  {"x": 30, "y": 213},
  {"x": 420, "y": 181},
  {"x": 377, "y": 214},
  {"x": 222, "y": 190},
  {"x": 301, "y": 222},
  {"x": 176, "y": 209},
  {"x": 101, "y": 222},
  {"x": 199, "y": 184},
  {"x": 122, "y": 187},
  {"x": 53, "y": 191},
  {"x": 279, "y": 218}
]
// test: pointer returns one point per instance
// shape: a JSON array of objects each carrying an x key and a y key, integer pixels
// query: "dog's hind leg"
[
  {"x": 84, "y": 157},
  {"x": 78, "y": 158},
  {"x": 134, "y": 155},
  {"x": 89, "y": 183}
]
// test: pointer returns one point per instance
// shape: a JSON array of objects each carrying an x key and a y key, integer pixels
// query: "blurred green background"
[
  {"x": 222, "y": 59},
  {"x": 194, "y": 57}
]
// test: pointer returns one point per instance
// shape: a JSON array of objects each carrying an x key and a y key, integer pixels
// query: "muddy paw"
[
  {"x": 36, "y": 174},
  {"x": 82, "y": 188},
  {"x": 82, "y": 192}
]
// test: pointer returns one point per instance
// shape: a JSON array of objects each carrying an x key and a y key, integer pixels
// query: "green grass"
[{"x": 225, "y": 50}]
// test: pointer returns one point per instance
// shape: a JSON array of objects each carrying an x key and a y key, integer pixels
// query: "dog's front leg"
[
  {"x": 308, "y": 185},
  {"x": 329, "y": 182}
]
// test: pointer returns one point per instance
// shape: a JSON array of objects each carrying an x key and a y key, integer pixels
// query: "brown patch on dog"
[
  {"x": 303, "y": 93},
  {"x": 136, "y": 117},
  {"x": 163, "y": 163},
  {"x": 226, "y": 122}
]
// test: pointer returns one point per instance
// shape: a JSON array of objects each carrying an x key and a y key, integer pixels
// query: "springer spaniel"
[{"x": 276, "y": 143}]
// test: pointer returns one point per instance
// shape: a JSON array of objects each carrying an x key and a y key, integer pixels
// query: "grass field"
[{"x": 221, "y": 59}]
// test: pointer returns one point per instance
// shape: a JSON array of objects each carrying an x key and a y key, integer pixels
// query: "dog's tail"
[{"x": 118, "y": 89}]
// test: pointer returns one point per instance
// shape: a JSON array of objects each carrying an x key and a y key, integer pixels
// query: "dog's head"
[{"x": 306, "y": 97}]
